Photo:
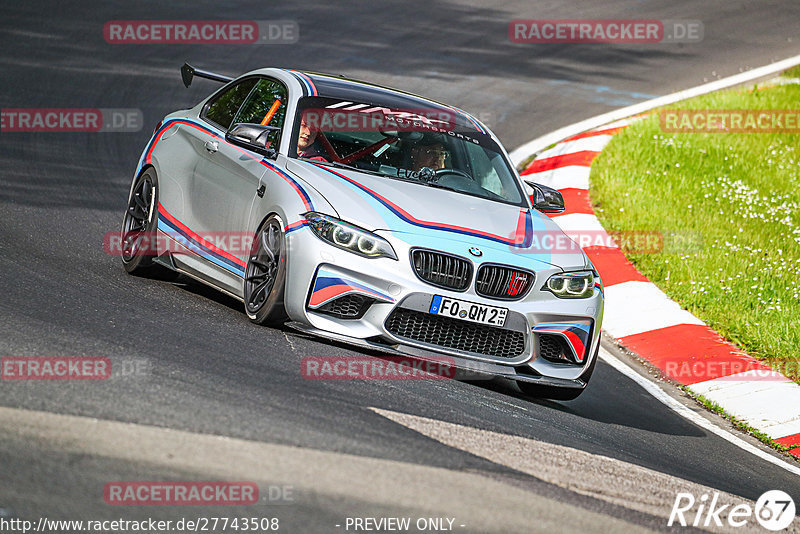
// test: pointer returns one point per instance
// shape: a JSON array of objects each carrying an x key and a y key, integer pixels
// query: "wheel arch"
[
  {"x": 139, "y": 174},
  {"x": 289, "y": 200}
]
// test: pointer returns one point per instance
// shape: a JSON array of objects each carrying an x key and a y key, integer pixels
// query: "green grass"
[{"x": 728, "y": 205}]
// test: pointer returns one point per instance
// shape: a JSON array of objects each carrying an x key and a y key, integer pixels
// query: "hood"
[{"x": 440, "y": 219}]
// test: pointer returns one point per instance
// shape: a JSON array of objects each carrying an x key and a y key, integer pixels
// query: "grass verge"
[{"x": 728, "y": 207}]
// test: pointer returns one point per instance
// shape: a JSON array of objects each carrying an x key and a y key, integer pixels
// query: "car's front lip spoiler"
[{"x": 467, "y": 369}]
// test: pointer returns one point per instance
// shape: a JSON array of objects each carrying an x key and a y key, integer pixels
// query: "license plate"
[{"x": 468, "y": 311}]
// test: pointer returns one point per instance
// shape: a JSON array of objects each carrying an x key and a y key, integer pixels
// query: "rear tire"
[
  {"x": 557, "y": 393},
  {"x": 139, "y": 226},
  {"x": 265, "y": 274}
]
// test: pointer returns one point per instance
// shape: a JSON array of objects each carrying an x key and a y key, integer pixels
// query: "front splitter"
[{"x": 466, "y": 369}]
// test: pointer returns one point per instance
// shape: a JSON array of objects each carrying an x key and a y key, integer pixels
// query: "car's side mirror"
[
  {"x": 253, "y": 137},
  {"x": 546, "y": 199}
]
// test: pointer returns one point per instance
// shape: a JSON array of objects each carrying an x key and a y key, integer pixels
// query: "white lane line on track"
[
  {"x": 519, "y": 154},
  {"x": 607, "y": 479},
  {"x": 689, "y": 414}
]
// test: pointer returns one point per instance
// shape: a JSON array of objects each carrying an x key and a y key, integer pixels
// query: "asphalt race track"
[{"x": 200, "y": 369}]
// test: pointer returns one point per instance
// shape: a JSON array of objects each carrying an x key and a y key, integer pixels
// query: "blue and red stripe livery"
[{"x": 329, "y": 285}]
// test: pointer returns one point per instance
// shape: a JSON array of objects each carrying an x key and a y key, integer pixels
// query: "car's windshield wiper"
[{"x": 440, "y": 186}]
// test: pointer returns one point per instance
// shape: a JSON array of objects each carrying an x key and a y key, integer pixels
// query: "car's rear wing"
[{"x": 188, "y": 72}]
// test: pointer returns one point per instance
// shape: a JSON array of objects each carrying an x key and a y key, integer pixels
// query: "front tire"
[
  {"x": 139, "y": 225},
  {"x": 265, "y": 274}
]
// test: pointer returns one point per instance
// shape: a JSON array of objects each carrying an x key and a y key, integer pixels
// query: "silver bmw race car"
[{"x": 371, "y": 216}]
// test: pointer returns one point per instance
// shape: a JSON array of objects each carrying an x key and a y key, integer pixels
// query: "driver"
[{"x": 431, "y": 154}]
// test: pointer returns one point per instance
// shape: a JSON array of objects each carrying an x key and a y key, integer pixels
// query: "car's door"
[
  {"x": 225, "y": 177},
  {"x": 223, "y": 186}
]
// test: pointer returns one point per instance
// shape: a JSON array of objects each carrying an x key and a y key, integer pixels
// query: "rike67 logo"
[{"x": 774, "y": 510}]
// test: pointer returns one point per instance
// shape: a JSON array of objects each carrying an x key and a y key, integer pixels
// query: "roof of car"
[{"x": 332, "y": 86}]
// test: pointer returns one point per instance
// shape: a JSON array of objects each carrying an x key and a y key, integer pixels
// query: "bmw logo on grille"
[{"x": 475, "y": 251}]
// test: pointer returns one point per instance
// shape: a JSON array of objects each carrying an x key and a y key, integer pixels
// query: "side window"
[
  {"x": 266, "y": 105},
  {"x": 224, "y": 106}
]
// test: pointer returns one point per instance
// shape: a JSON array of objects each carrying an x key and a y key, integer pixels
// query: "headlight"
[
  {"x": 572, "y": 285},
  {"x": 349, "y": 237}
]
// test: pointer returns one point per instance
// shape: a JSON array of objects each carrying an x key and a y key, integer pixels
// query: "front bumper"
[{"x": 393, "y": 284}]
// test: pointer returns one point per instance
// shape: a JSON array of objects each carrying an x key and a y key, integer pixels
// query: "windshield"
[{"x": 431, "y": 147}]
